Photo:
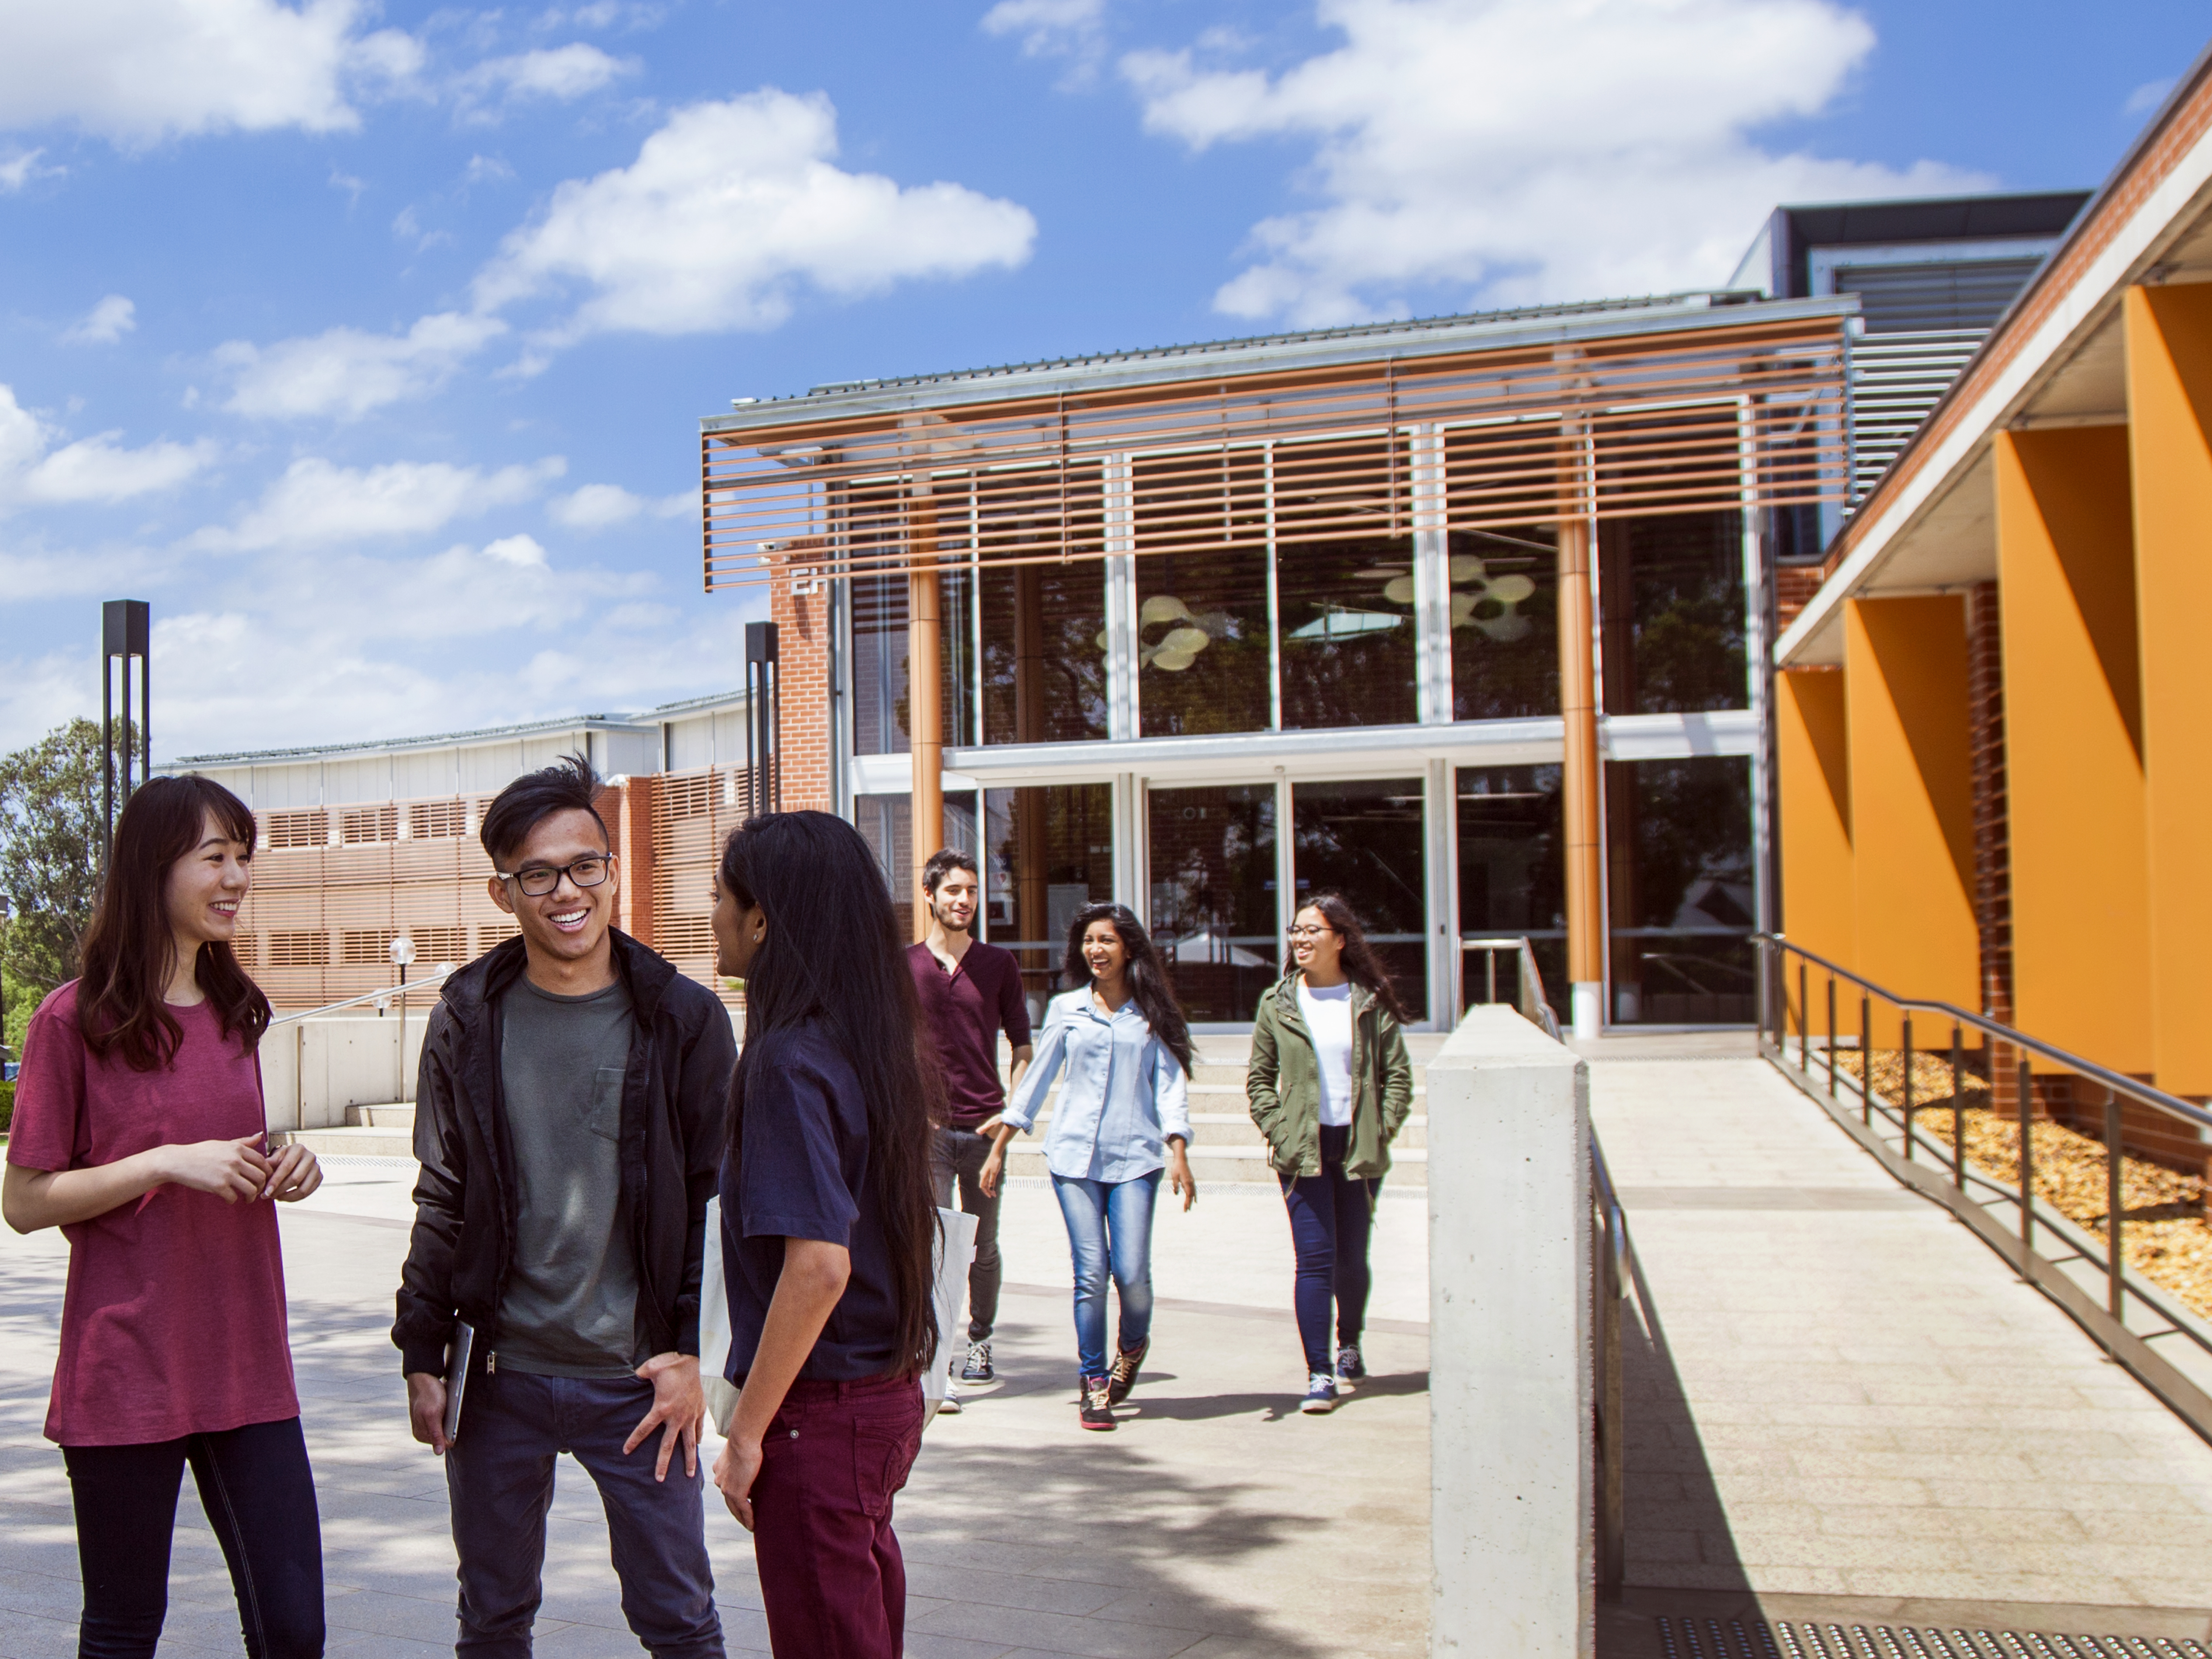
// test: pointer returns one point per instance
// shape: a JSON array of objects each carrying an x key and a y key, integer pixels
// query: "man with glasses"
[{"x": 569, "y": 1121}]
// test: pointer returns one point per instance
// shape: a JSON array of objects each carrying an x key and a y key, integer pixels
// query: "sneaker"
[
  {"x": 950, "y": 1405},
  {"x": 978, "y": 1367},
  {"x": 1127, "y": 1364},
  {"x": 1094, "y": 1410},
  {"x": 1320, "y": 1394},
  {"x": 1350, "y": 1367}
]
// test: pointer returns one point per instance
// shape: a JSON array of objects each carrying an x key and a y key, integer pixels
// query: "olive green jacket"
[{"x": 1284, "y": 1084}]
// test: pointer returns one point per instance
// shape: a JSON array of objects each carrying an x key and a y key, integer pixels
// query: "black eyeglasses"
[
  {"x": 539, "y": 880},
  {"x": 1310, "y": 932}
]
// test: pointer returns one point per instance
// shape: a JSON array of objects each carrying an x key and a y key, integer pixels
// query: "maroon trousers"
[{"x": 831, "y": 1576}]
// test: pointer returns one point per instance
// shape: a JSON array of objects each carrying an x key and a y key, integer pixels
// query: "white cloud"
[
  {"x": 36, "y": 471},
  {"x": 105, "y": 324},
  {"x": 138, "y": 71},
  {"x": 596, "y": 506},
  {"x": 521, "y": 551},
  {"x": 18, "y": 168},
  {"x": 2148, "y": 96},
  {"x": 316, "y": 504},
  {"x": 728, "y": 211},
  {"x": 1523, "y": 151},
  {"x": 348, "y": 372},
  {"x": 1049, "y": 27},
  {"x": 558, "y": 72}
]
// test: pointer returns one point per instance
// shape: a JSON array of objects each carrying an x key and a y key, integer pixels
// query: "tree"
[{"x": 50, "y": 835}]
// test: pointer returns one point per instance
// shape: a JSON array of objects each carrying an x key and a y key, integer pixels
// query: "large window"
[
  {"x": 879, "y": 664},
  {"x": 1680, "y": 898},
  {"x": 1214, "y": 896},
  {"x": 1344, "y": 566},
  {"x": 1363, "y": 840},
  {"x": 886, "y": 823},
  {"x": 1204, "y": 659},
  {"x": 1504, "y": 630},
  {"x": 1049, "y": 852},
  {"x": 1044, "y": 652},
  {"x": 1512, "y": 877},
  {"x": 1674, "y": 619}
]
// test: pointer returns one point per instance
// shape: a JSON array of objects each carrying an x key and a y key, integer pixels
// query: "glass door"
[
  {"x": 1213, "y": 917},
  {"x": 1365, "y": 842}
]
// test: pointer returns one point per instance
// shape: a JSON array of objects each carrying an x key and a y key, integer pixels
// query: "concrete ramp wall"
[
  {"x": 1512, "y": 1505},
  {"x": 313, "y": 1069}
]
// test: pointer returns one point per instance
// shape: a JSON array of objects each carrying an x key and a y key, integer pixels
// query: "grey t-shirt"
[{"x": 570, "y": 1308}]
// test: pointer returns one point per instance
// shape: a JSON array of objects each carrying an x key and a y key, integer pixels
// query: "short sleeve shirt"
[
  {"x": 803, "y": 1170},
  {"x": 173, "y": 1322},
  {"x": 963, "y": 1009}
]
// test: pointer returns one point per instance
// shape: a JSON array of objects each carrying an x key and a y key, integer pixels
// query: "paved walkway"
[
  {"x": 1218, "y": 1522},
  {"x": 1843, "y": 1404}
]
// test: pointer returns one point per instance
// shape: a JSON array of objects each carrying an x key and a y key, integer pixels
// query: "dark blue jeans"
[
  {"x": 259, "y": 1497},
  {"x": 1331, "y": 1216},
  {"x": 499, "y": 1473}
]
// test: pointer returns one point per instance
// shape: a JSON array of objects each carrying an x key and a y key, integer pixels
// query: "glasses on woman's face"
[
  {"x": 537, "y": 880},
  {"x": 1310, "y": 932}
]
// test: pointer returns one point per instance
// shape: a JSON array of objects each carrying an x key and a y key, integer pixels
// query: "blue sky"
[{"x": 368, "y": 345}]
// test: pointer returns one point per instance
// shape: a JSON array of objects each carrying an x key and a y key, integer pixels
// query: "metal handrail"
[
  {"x": 1532, "y": 1002},
  {"x": 1613, "y": 1273},
  {"x": 437, "y": 976},
  {"x": 2107, "y": 1325}
]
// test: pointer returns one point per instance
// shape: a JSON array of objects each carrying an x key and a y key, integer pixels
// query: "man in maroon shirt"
[{"x": 970, "y": 992}]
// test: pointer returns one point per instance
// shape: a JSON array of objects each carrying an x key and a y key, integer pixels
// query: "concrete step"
[
  {"x": 358, "y": 1141},
  {"x": 398, "y": 1115}
]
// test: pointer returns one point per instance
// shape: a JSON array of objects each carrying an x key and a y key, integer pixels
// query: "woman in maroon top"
[{"x": 138, "y": 1131}]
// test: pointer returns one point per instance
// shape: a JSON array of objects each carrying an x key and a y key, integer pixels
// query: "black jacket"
[{"x": 674, "y": 1114}]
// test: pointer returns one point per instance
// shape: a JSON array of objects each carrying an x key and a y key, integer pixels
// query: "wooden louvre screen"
[
  {"x": 1735, "y": 415},
  {"x": 693, "y": 813}
]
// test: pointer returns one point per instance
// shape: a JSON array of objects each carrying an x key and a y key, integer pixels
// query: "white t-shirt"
[{"x": 1327, "y": 1015}]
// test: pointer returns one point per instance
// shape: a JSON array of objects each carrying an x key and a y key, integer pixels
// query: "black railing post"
[
  {"x": 1908, "y": 1089},
  {"x": 2115, "y": 1262},
  {"x": 1957, "y": 1111},
  {"x": 1804, "y": 1025},
  {"x": 1866, "y": 1060},
  {"x": 2026, "y": 1154},
  {"x": 1831, "y": 1036}
]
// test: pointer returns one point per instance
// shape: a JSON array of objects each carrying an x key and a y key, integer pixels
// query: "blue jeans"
[
  {"x": 499, "y": 1474},
  {"x": 1110, "y": 1223},
  {"x": 1330, "y": 1217}
]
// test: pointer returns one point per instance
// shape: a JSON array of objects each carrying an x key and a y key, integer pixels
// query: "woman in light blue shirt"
[{"x": 1123, "y": 1117}]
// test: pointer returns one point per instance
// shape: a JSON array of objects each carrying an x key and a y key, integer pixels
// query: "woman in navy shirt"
[
  {"x": 1122, "y": 1118},
  {"x": 826, "y": 1231}
]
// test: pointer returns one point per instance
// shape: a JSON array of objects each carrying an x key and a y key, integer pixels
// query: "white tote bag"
[{"x": 955, "y": 1250}]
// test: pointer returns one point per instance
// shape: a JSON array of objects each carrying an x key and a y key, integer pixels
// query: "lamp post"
[
  {"x": 403, "y": 952},
  {"x": 126, "y": 631}
]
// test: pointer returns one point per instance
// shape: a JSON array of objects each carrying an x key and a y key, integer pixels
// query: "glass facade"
[
  {"x": 879, "y": 664},
  {"x": 886, "y": 823},
  {"x": 1205, "y": 655},
  {"x": 1504, "y": 630},
  {"x": 1512, "y": 875},
  {"x": 1673, "y": 618},
  {"x": 1050, "y": 852},
  {"x": 1043, "y": 658},
  {"x": 1213, "y": 912},
  {"x": 1679, "y": 897},
  {"x": 1365, "y": 841}
]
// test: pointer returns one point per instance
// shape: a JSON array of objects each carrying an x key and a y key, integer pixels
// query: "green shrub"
[{"x": 7, "y": 1105}]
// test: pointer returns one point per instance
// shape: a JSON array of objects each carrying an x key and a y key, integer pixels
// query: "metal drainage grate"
[{"x": 1787, "y": 1639}]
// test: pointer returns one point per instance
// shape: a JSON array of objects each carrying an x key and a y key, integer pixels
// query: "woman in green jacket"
[{"x": 1330, "y": 1085}]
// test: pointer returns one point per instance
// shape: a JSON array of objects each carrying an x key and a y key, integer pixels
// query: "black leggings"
[
  {"x": 259, "y": 1496},
  {"x": 1331, "y": 1215}
]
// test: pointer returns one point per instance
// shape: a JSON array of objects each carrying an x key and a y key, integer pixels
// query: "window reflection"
[
  {"x": 1202, "y": 639},
  {"x": 1512, "y": 876},
  {"x": 1044, "y": 654},
  {"x": 1050, "y": 852},
  {"x": 879, "y": 664},
  {"x": 1674, "y": 620},
  {"x": 1363, "y": 840},
  {"x": 1504, "y": 629}
]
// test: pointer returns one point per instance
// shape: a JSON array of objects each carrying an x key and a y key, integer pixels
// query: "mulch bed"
[{"x": 2166, "y": 1238}]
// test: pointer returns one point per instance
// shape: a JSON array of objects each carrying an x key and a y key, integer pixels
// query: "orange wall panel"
[
  {"x": 1813, "y": 739},
  {"x": 2080, "y": 894},
  {"x": 1912, "y": 829},
  {"x": 2169, "y": 373}
]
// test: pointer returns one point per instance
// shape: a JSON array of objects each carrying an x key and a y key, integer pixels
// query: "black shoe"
[
  {"x": 1094, "y": 1411},
  {"x": 978, "y": 1367},
  {"x": 1350, "y": 1368},
  {"x": 1127, "y": 1364}
]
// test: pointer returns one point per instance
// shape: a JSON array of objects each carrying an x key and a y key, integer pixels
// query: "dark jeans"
[
  {"x": 1331, "y": 1216},
  {"x": 499, "y": 1473},
  {"x": 959, "y": 1154},
  {"x": 831, "y": 1576},
  {"x": 259, "y": 1497}
]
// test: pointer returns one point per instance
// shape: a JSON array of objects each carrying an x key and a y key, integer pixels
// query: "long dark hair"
[
  {"x": 832, "y": 953},
  {"x": 1360, "y": 963},
  {"x": 130, "y": 949},
  {"x": 1148, "y": 979}
]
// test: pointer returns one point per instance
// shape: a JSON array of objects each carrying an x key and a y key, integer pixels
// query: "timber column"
[
  {"x": 1578, "y": 781},
  {"x": 925, "y": 704}
]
